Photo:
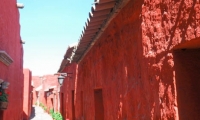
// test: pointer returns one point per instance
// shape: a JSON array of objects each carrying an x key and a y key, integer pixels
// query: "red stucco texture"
[
  {"x": 10, "y": 43},
  {"x": 42, "y": 85},
  {"x": 50, "y": 84},
  {"x": 36, "y": 83},
  {"x": 27, "y": 101},
  {"x": 145, "y": 65},
  {"x": 67, "y": 91}
]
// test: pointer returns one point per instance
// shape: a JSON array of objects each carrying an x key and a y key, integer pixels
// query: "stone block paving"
[{"x": 38, "y": 113}]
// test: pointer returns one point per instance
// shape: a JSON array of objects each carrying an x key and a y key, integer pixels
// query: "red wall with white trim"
[{"x": 10, "y": 43}]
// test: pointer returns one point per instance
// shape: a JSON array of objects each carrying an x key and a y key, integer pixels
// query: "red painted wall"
[
  {"x": 50, "y": 100},
  {"x": 66, "y": 90},
  {"x": 49, "y": 84},
  {"x": 27, "y": 103},
  {"x": 36, "y": 83},
  {"x": 136, "y": 67},
  {"x": 10, "y": 42}
]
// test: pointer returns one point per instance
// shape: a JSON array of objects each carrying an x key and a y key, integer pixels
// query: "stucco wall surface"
[
  {"x": 27, "y": 102},
  {"x": 69, "y": 87},
  {"x": 36, "y": 83},
  {"x": 47, "y": 83},
  {"x": 50, "y": 84},
  {"x": 133, "y": 61},
  {"x": 10, "y": 43}
]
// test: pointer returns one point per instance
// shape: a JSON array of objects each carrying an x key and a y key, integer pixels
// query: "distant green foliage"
[
  {"x": 43, "y": 106},
  {"x": 35, "y": 103},
  {"x": 51, "y": 112},
  {"x": 55, "y": 115}
]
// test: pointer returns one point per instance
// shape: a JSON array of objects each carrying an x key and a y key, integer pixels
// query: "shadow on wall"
[
  {"x": 25, "y": 116},
  {"x": 187, "y": 69},
  {"x": 32, "y": 113},
  {"x": 1, "y": 115}
]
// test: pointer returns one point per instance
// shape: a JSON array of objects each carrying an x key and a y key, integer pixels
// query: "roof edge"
[{"x": 117, "y": 8}]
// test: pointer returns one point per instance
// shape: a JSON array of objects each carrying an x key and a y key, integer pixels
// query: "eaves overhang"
[
  {"x": 68, "y": 56},
  {"x": 102, "y": 12}
]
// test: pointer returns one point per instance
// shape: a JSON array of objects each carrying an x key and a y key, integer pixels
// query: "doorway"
[
  {"x": 62, "y": 106},
  {"x": 98, "y": 101},
  {"x": 187, "y": 73},
  {"x": 1, "y": 115}
]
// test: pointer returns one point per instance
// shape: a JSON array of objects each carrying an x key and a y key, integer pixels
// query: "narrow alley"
[
  {"x": 38, "y": 113},
  {"x": 100, "y": 60}
]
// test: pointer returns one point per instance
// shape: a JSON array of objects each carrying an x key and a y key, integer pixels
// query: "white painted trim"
[{"x": 5, "y": 58}]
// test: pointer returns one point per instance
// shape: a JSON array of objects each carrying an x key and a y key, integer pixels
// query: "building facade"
[
  {"x": 46, "y": 92},
  {"x": 136, "y": 60},
  {"x": 11, "y": 64},
  {"x": 28, "y": 94}
]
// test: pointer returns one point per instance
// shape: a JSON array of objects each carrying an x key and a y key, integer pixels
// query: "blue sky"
[{"x": 48, "y": 27}]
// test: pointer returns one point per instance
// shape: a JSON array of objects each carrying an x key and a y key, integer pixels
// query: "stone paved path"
[{"x": 39, "y": 114}]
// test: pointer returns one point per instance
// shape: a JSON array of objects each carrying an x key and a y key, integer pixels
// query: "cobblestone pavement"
[{"x": 38, "y": 113}]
